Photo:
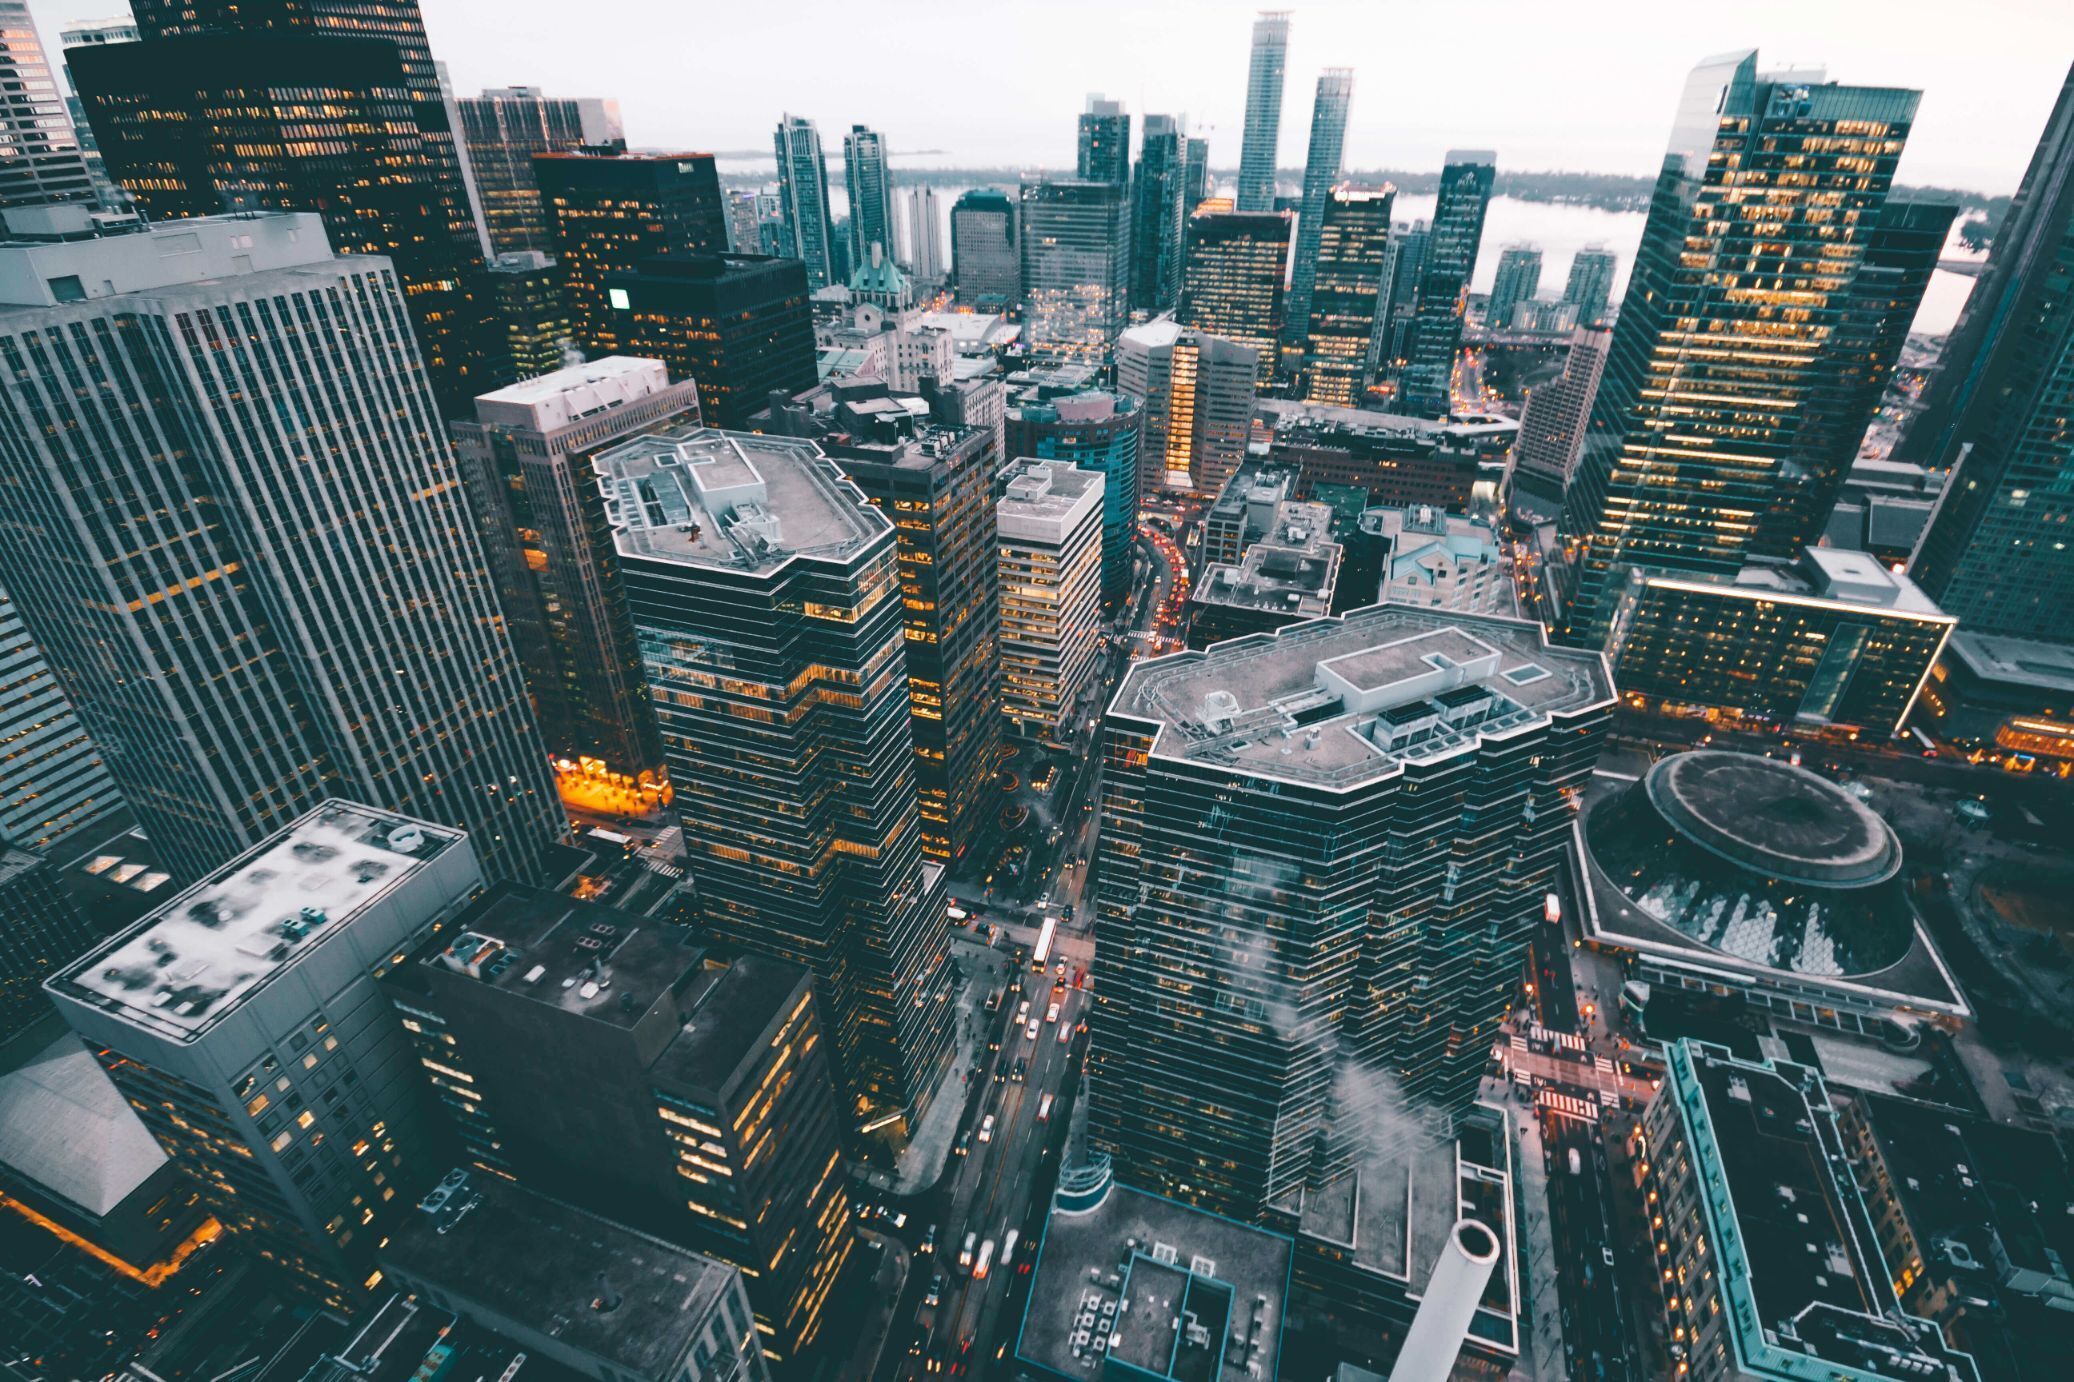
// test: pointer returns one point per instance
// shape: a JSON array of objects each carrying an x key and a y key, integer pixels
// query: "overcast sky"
[{"x": 998, "y": 82}]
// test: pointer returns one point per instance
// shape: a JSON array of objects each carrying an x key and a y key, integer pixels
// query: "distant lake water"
[{"x": 1560, "y": 230}]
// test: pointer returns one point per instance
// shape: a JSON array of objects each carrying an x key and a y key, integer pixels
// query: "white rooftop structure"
[
  {"x": 1043, "y": 501},
  {"x": 194, "y": 961},
  {"x": 170, "y": 254},
  {"x": 549, "y": 402},
  {"x": 974, "y": 333},
  {"x": 66, "y": 1127},
  {"x": 2015, "y": 661}
]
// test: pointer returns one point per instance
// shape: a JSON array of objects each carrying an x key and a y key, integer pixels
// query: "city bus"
[{"x": 1044, "y": 939}]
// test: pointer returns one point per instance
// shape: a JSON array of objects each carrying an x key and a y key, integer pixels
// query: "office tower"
[
  {"x": 1350, "y": 296},
  {"x": 55, "y": 792},
  {"x": 243, "y": 1022},
  {"x": 1722, "y": 428},
  {"x": 41, "y": 161},
  {"x": 526, "y": 464},
  {"x": 981, "y": 402},
  {"x": 1263, "y": 111},
  {"x": 1448, "y": 265},
  {"x": 1104, "y": 142},
  {"x": 1320, "y": 172},
  {"x": 1097, "y": 430},
  {"x": 1330, "y": 920},
  {"x": 986, "y": 249},
  {"x": 1232, "y": 283},
  {"x": 530, "y": 321},
  {"x": 88, "y": 33},
  {"x": 1407, "y": 265},
  {"x": 582, "y": 1296},
  {"x": 1834, "y": 640},
  {"x": 935, "y": 484},
  {"x": 235, "y": 668},
  {"x": 808, "y": 233},
  {"x": 1996, "y": 551},
  {"x": 41, "y": 929},
  {"x": 924, "y": 234},
  {"x": 666, "y": 1085},
  {"x": 1590, "y": 285},
  {"x": 870, "y": 186},
  {"x": 1551, "y": 430},
  {"x": 1195, "y": 175},
  {"x": 1076, "y": 239},
  {"x": 502, "y": 129},
  {"x": 211, "y": 113},
  {"x": 1159, "y": 217},
  {"x": 609, "y": 214},
  {"x": 766, "y": 597},
  {"x": 1050, "y": 522},
  {"x": 1197, "y": 392},
  {"x": 737, "y": 325},
  {"x": 1748, "y": 1164},
  {"x": 1517, "y": 281}
]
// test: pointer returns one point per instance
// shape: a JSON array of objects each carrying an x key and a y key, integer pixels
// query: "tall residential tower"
[{"x": 1263, "y": 111}]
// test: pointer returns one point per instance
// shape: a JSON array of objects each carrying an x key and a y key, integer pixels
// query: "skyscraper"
[
  {"x": 84, "y": 34},
  {"x": 1590, "y": 285},
  {"x": 234, "y": 666},
  {"x": 1232, "y": 285},
  {"x": 1551, "y": 430},
  {"x": 1076, "y": 239},
  {"x": 1263, "y": 111},
  {"x": 1197, "y": 390},
  {"x": 924, "y": 234},
  {"x": 41, "y": 929},
  {"x": 1517, "y": 280},
  {"x": 331, "y": 107},
  {"x": 1316, "y": 938},
  {"x": 1320, "y": 172},
  {"x": 1996, "y": 552},
  {"x": 54, "y": 789},
  {"x": 243, "y": 1022},
  {"x": 1766, "y": 417},
  {"x": 737, "y": 325},
  {"x": 525, "y": 463},
  {"x": 1449, "y": 264},
  {"x": 808, "y": 233},
  {"x": 870, "y": 188},
  {"x": 986, "y": 249},
  {"x": 1407, "y": 266},
  {"x": 503, "y": 128},
  {"x": 40, "y": 159},
  {"x": 1195, "y": 176},
  {"x": 1159, "y": 216},
  {"x": 766, "y": 596},
  {"x": 612, "y": 213},
  {"x": 936, "y": 485},
  {"x": 691, "y": 1095},
  {"x": 530, "y": 322},
  {"x": 1104, "y": 142},
  {"x": 1098, "y": 430},
  {"x": 1050, "y": 525},
  {"x": 1343, "y": 342}
]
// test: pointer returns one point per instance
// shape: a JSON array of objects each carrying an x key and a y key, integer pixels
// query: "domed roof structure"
[{"x": 1758, "y": 860}]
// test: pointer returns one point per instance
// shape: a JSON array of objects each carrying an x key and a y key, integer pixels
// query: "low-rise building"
[
  {"x": 1767, "y": 1260},
  {"x": 2007, "y": 699},
  {"x": 584, "y": 1293},
  {"x": 1440, "y": 560},
  {"x": 1050, "y": 522},
  {"x": 1285, "y": 576},
  {"x": 1833, "y": 642},
  {"x": 1401, "y": 461}
]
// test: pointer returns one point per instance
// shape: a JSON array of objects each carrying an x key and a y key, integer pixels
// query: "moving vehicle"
[
  {"x": 1066, "y": 1033},
  {"x": 986, "y": 1260},
  {"x": 1044, "y": 1109},
  {"x": 986, "y": 1128},
  {"x": 935, "y": 1296},
  {"x": 1031, "y": 1030},
  {"x": 965, "y": 1253},
  {"x": 1008, "y": 1248},
  {"x": 1022, "y": 1014},
  {"x": 1576, "y": 1163},
  {"x": 1051, "y": 1014}
]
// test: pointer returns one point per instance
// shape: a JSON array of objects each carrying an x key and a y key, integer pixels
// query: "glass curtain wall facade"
[
  {"x": 503, "y": 129},
  {"x": 1076, "y": 280},
  {"x": 870, "y": 186},
  {"x": 1320, "y": 172},
  {"x": 1158, "y": 217},
  {"x": 1343, "y": 341},
  {"x": 1233, "y": 284},
  {"x": 1264, "y": 72},
  {"x": 986, "y": 249},
  {"x": 1445, "y": 268},
  {"x": 1723, "y": 414},
  {"x": 806, "y": 231}
]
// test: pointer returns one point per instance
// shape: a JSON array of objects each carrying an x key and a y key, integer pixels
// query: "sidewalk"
[
  {"x": 1541, "y": 1348},
  {"x": 888, "y": 1281},
  {"x": 922, "y": 1161}
]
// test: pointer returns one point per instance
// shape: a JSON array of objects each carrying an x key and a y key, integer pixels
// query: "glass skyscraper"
[
  {"x": 1343, "y": 339},
  {"x": 1320, "y": 172},
  {"x": 1725, "y": 413},
  {"x": 1999, "y": 551},
  {"x": 1263, "y": 111},
  {"x": 1104, "y": 142},
  {"x": 1517, "y": 280},
  {"x": 1096, "y": 429},
  {"x": 1159, "y": 216},
  {"x": 1449, "y": 262},
  {"x": 1076, "y": 241},
  {"x": 807, "y": 233},
  {"x": 1590, "y": 285},
  {"x": 986, "y": 249},
  {"x": 765, "y": 592},
  {"x": 870, "y": 187},
  {"x": 1232, "y": 284},
  {"x": 503, "y": 129}
]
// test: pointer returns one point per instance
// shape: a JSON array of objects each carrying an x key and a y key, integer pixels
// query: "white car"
[
  {"x": 986, "y": 1129},
  {"x": 1051, "y": 1014},
  {"x": 1031, "y": 1030}
]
